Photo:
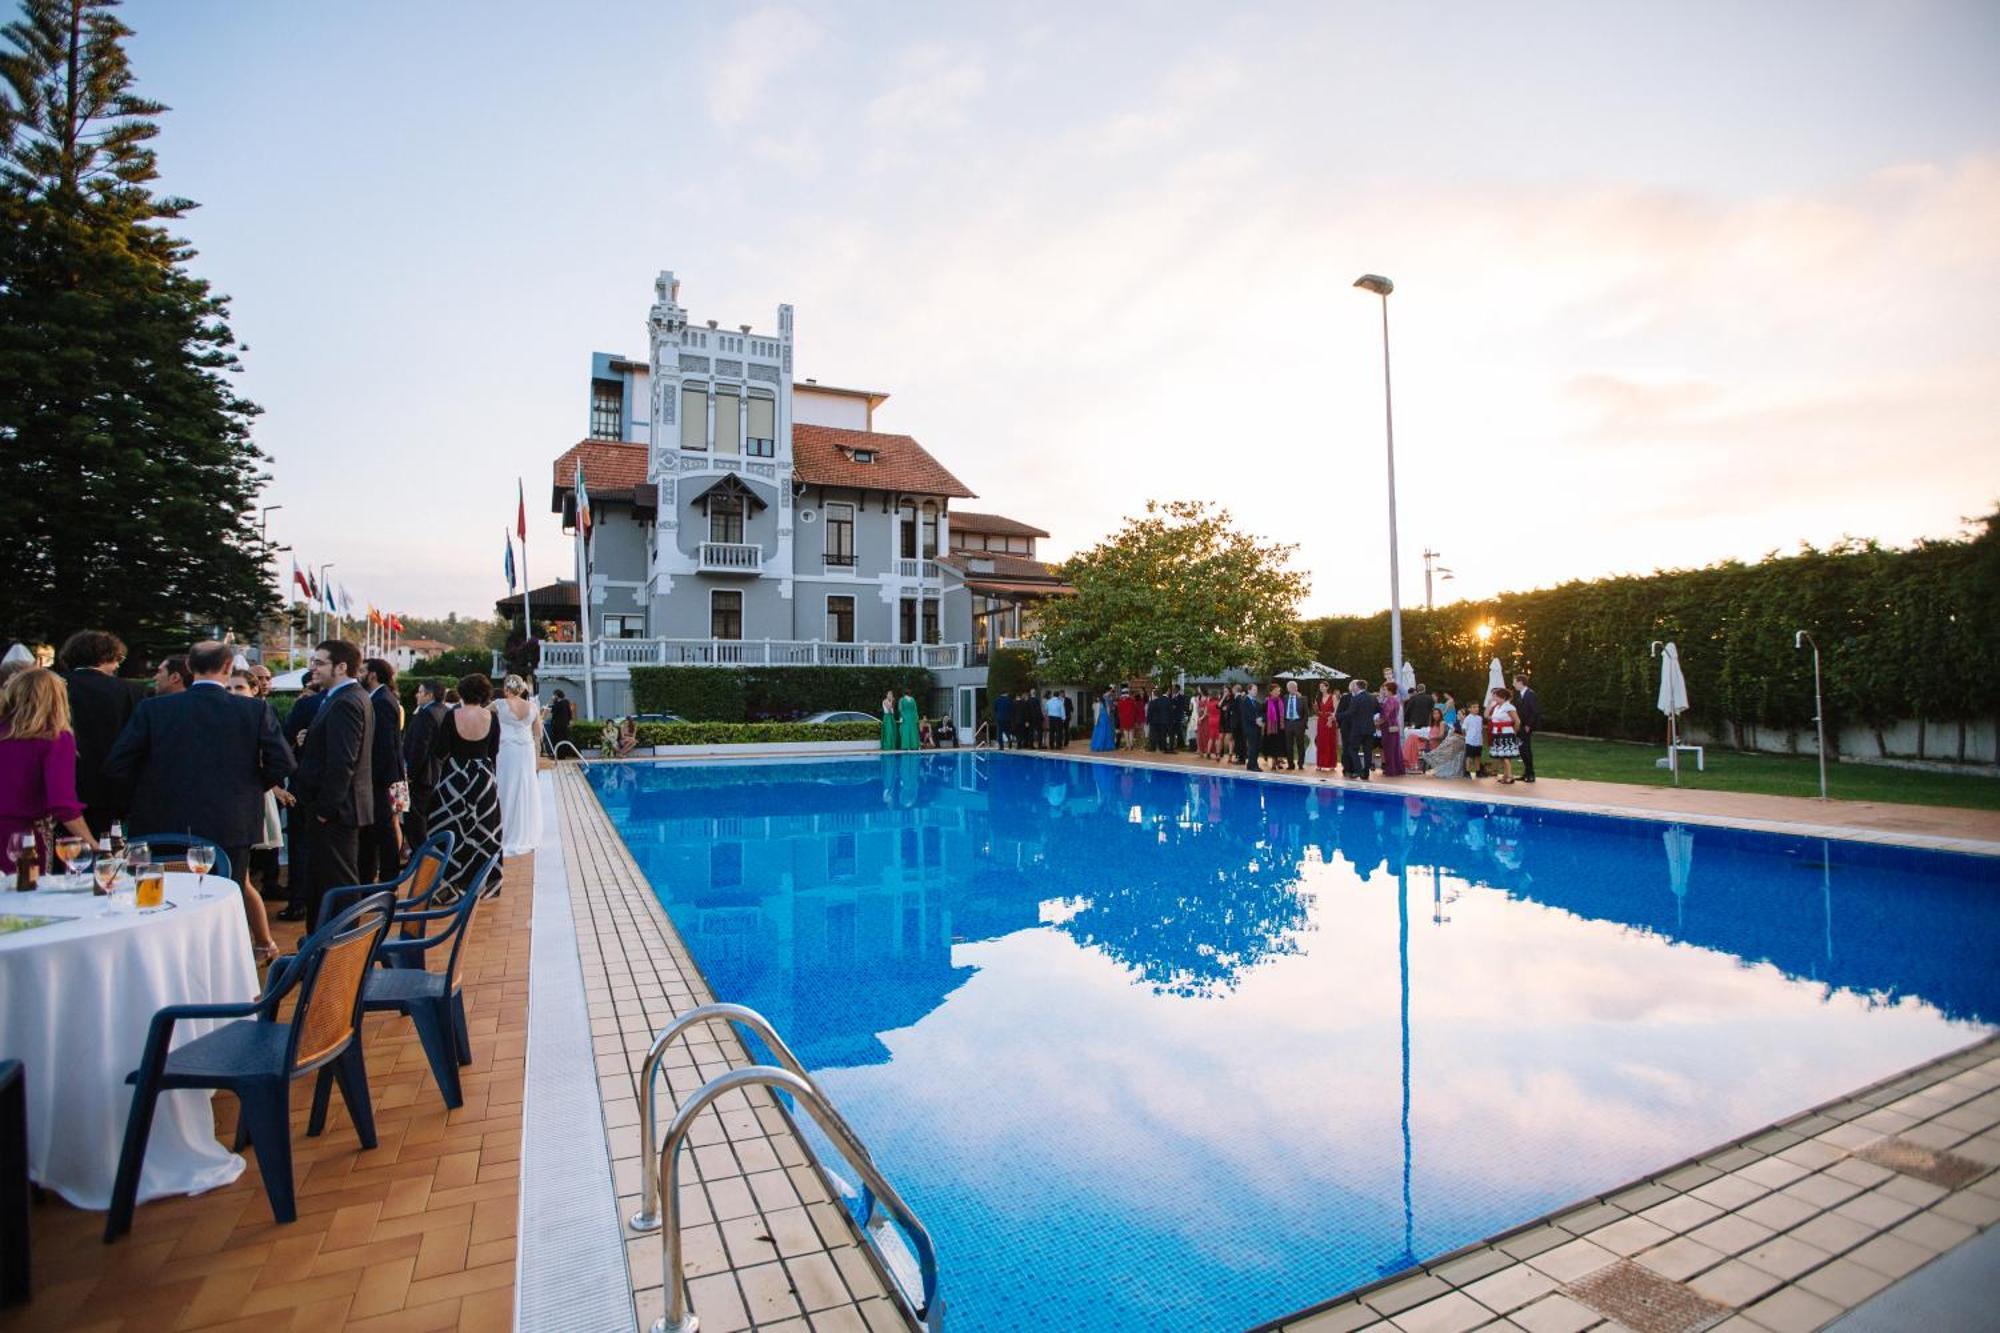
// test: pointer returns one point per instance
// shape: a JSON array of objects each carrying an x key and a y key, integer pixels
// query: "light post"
[
  {"x": 291, "y": 628},
  {"x": 264, "y": 541},
  {"x": 1430, "y": 565},
  {"x": 1381, "y": 286},
  {"x": 1800, "y": 640}
]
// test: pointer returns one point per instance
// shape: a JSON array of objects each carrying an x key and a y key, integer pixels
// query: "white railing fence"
[{"x": 614, "y": 654}]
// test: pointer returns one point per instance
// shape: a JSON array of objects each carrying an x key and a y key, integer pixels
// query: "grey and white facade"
[{"x": 742, "y": 518}]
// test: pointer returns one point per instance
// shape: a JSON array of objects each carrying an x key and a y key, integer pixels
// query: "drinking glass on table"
[
  {"x": 67, "y": 848},
  {"x": 108, "y": 868},
  {"x": 81, "y": 860},
  {"x": 201, "y": 860},
  {"x": 150, "y": 888},
  {"x": 138, "y": 855}
]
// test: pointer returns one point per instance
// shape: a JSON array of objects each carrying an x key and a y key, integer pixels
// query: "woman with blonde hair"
[
  {"x": 37, "y": 763},
  {"x": 520, "y": 796}
]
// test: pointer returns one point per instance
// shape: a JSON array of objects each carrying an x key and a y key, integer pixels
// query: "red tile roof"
[
  {"x": 1004, "y": 573},
  {"x": 964, "y": 520},
  {"x": 824, "y": 456},
  {"x": 609, "y": 467}
]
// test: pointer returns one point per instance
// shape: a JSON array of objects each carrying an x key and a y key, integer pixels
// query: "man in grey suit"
[{"x": 334, "y": 784}]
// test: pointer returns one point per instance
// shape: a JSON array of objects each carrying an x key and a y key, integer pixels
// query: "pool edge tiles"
[
  {"x": 1790, "y": 1226},
  {"x": 763, "y": 1241}
]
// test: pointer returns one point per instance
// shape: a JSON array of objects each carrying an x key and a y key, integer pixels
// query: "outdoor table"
[{"x": 76, "y": 998}]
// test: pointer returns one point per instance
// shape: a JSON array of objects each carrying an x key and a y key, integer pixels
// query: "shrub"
[
  {"x": 732, "y": 694},
  {"x": 589, "y": 735},
  {"x": 1009, "y": 670},
  {"x": 458, "y": 662}
]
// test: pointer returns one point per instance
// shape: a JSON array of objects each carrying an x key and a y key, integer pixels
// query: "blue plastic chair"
[
  {"x": 415, "y": 889},
  {"x": 170, "y": 851},
  {"x": 258, "y": 1057},
  {"x": 433, "y": 1001}
]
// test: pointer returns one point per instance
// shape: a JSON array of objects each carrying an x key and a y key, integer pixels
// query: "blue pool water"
[{"x": 1149, "y": 1048}]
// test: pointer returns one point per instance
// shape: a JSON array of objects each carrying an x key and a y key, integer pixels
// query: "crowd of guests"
[
  {"x": 1354, "y": 731},
  {"x": 336, "y": 794},
  {"x": 1024, "y": 720}
]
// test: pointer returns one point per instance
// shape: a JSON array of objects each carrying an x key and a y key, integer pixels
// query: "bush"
[
  {"x": 1009, "y": 671},
  {"x": 589, "y": 735},
  {"x": 458, "y": 662},
  {"x": 733, "y": 694}
]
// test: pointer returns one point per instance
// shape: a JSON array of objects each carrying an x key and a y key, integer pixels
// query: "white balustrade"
[
  {"x": 617, "y": 656},
  {"x": 731, "y": 557}
]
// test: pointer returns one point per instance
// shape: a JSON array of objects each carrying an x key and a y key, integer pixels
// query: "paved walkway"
[
  {"x": 417, "y": 1234},
  {"x": 1947, "y": 827}
]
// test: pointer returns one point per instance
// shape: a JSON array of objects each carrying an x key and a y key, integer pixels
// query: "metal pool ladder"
[{"x": 877, "y": 1195}]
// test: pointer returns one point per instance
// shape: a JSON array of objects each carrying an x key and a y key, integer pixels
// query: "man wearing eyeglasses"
[{"x": 333, "y": 786}]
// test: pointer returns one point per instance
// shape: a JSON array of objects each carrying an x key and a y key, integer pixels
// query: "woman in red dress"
[
  {"x": 1208, "y": 727},
  {"x": 1325, "y": 747}
]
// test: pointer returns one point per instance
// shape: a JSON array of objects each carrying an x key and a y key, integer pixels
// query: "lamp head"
[
  {"x": 1376, "y": 283},
  {"x": 1799, "y": 639}
]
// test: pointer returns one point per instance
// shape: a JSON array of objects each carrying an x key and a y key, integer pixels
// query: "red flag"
[
  {"x": 521, "y": 521},
  {"x": 300, "y": 579}
]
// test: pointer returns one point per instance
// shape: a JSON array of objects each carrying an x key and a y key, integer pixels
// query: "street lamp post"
[
  {"x": 264, "y": 541},
  {"x": 1800, "y": 640},
  {"x": 291, "y": 626},
  {"x": 1431, "y": 565},
  {"x": 1381, "y": 286}
]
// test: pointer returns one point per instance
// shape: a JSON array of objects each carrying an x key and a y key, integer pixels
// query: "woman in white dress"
[{"x": 520, "y": 795}]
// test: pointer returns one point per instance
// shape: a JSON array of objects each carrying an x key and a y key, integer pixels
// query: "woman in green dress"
[
  {"x": 889, "y": 720},
  {"x": 908, "y": 709}
]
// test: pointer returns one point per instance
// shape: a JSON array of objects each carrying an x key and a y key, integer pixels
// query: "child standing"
[
  {"x": 1475, "y": 741},
  {"x": 1504, "y": 723}
]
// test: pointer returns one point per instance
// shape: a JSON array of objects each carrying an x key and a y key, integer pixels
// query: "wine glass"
[
  {"x": 67, "y": 847},
  {"x": 107, "y": 874},
  {"x": 138, "y": 855},
  {"x": 81, "y": 859},
  {"x": 201, "y": 860}
]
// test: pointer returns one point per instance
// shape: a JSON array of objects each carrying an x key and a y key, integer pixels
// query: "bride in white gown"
[{"x": 520, "y": 793}]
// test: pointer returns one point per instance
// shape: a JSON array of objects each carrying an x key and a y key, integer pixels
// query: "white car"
[{"x": 840, "y": 715}]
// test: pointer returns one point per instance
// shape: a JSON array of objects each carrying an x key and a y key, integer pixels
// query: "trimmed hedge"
[
  {"x": 589, "y": 735},
  {"x": 736, "y": 694},
  {"x": 458, "y": 662}
]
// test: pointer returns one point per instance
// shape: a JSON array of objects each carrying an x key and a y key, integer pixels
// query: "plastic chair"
[
  {"x": 13, "y": 1184},
  {"x": 258, "y": 1057},
  {"x": 433, "y": 1001},
  {"x": 166, "y": 846},
  {"x": 415, "y": 889}
]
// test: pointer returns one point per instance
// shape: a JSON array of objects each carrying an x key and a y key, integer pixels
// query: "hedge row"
[
  {"x": 1903, "y": 634},
  {"x": 737, "y": 694},
  {"x": 589, "y": 735}
]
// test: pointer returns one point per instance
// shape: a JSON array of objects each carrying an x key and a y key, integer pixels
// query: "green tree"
[
  {"x": 1176, "y": 589},
  {"x": 127, "y": 477}
]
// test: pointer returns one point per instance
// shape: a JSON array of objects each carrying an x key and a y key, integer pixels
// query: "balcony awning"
[{"x": 731, "y": 487}]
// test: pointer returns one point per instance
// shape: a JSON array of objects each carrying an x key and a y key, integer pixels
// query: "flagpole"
[
  {"x": 583, "y": 625},
  {"x": 527, "y": 583}
]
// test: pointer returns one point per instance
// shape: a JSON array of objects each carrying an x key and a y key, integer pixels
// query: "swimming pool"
[{"x": 1165, "y": 1047}]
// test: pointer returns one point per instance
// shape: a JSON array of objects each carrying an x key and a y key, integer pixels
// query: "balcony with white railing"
[
  {"x": 615, "y": 657},
  {"x": 917, "y": 569},
  {"x": 731, "y": 558}
]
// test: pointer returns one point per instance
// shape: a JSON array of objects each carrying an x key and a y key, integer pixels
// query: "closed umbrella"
[
  {"x": 1495, "y": 678},
  {"x": 1680, "y": 861},
  {"x": 1673, "y": 702},
  {"x": 1407, "y": 678}
]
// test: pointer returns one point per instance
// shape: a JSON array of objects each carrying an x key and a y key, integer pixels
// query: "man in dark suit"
[
  {"x": 1528, "y": 708},
  {"x": 1003, "y": 720},
  {"x": 298, "y": 828},
  {"x": 1177, "y": 719},
  {"x": 420, "y": 763},
  {"x": 1417, "y": 709},
  {"x": 382, "y": 844},
  {"x": 1252, "y": 711},
  {"x": 561, "y": 713},
  {"x": 100, "y": 705},
  {"x": 199, "y": 761},
  {"x": 336, "y": 796},
  {"x": 1356, "y": 715}
]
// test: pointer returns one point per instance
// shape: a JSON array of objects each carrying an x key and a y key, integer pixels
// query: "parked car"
[
  {"x": 841, "y": 715},
  {"x": 658, "y": 717}
]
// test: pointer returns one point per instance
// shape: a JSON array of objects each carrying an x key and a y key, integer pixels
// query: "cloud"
[
  {"x": 935, "y": 90},
  {"x": 757, "y": 48}
]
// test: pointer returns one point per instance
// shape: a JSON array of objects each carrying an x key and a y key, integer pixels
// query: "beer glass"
[{"x": 151, "y": 892}]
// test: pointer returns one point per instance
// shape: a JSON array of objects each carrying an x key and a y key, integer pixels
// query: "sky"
[{"x": 1675, "y": 283}]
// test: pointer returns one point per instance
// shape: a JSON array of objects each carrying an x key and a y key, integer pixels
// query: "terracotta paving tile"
[{"x": 416, "y": 1234}]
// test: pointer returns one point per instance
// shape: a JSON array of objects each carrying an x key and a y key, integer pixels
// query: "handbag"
[{"x": 399, "y": 797}]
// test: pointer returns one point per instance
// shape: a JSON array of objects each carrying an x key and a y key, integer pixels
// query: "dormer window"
[{"x": 864, "y": 455}]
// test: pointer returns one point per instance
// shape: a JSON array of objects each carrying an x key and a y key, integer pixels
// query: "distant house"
[
  {"x": 741, "y": 518},
  {"x": 408, "y": 652}
]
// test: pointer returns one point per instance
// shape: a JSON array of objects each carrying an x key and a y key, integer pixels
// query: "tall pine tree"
[{"x": 127, "y": 475}]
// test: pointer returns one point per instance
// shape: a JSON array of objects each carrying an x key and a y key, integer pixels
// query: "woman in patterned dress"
[{"x": 468, "y": 795}]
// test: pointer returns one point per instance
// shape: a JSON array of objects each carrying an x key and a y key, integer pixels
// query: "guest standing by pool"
[
  {"x": 1325, "y": 747},
  {"x": 907, "y": 737},
  {"x": 37, "y": 764},
  {"x": 1503, "y": 722},
  {"x": 1390, "y": 708},
  {"x": 1530, "y": 708},
  {"x": 889, "y": 720},
  {"x": 520, "y": 790},
  {"x": 468, "y": 792},
  {"x": 1103, "y": 736}
]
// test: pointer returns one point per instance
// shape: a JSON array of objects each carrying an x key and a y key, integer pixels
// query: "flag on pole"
[
  {"x": 374, "y": 616},
  {"x": 346, "y": 601},
  {"x": 582, "y": 505},
  {"x": 299, "y": 578},
  {"x": 521, "y": 515},
  {"x": 396, "y": 624},
  {"x": 509, "y": 566}
]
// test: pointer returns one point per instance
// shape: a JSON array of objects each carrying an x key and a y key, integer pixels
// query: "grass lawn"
[{"x": 1768, "y": 774}]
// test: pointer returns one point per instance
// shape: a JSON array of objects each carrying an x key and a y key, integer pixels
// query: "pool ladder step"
[{"x": 659, "y": 1209}]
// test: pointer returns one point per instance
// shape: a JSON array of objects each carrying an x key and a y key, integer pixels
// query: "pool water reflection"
[{"x": 1147, "y": 1047}]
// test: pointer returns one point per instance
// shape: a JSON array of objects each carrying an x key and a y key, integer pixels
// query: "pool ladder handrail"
[{"x": 806, "y": 1091}]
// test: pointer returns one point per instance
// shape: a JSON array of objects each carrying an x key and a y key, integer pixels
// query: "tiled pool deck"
[{"x": 1784, "y": 1230}]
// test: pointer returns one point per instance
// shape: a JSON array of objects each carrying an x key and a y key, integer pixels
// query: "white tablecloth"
[{"x": 76, "y": 999}]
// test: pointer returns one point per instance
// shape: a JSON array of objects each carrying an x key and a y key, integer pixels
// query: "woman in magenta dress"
[
  {"x": 1274, "y": 725},
  {"x": 37, "y": 762},
  {"x": 1390, "y": 706}
]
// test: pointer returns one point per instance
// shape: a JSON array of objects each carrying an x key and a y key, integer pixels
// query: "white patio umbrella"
[
  {"x": 1673, "y": 702},
  {"x": 1496, "y": 679},
  {"x": 18, "y": 653},
  {"x": 1406, "y": 679},
  {"x": 1680, "y": 862}
]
